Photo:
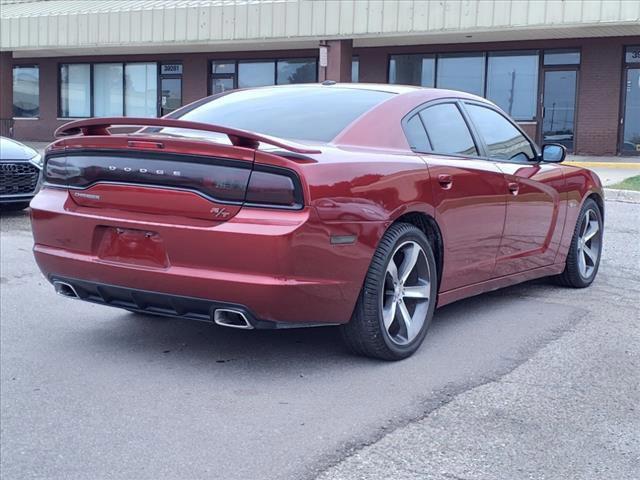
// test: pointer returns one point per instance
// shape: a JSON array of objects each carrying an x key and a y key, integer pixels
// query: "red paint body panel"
[{"x": 281, "y": 264}]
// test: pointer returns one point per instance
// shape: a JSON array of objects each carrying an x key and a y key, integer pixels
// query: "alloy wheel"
[
  {"x": 406, "y": 293},
  {"x": 589, "y": 243}
]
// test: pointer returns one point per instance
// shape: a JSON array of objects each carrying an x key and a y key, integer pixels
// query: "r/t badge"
[{"x": 220, "y": 212}]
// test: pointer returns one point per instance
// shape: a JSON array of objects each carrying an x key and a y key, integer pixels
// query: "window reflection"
[
  {"x": 559, "y": 107},
  {"x": 75, "y": 90},
  {"x": 107, "y": 89},
  {"x": 631, "y": 140},
  {"x": 504, "y": 141},
  {"x": 461, "y": 72},
  {"x": 412, "y": 70},
  {"x": 296, "y": 71},
  {"x": 561, "y": 57},
  {"x": 26, "y": 92},
  {"x": 141, "y": 90},
  {"x": 512, "y": 83},
  {"x": 256, "y": 74},
  {"x": 447, "y": 130}
]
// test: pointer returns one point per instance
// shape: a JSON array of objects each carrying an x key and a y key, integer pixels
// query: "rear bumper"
[
  {"x": 278, "y": 267},
  {"x": 155, "y": 303}
]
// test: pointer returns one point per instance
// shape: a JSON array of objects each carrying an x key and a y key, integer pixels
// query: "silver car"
[{"x": 20, "y": 174}]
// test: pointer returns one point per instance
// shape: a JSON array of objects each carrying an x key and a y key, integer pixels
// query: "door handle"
[
  {"x": 514, "y": 188},
  {"x": 445, "y": 181}
]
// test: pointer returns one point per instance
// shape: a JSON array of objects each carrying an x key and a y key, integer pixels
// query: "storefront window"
[
  {"x": 107, "y": 89},
  {"x": 412, "y": 70},
  {"x": 355, "y": 69},
  {"x": 229, "y": 74},
  {"x": 464, "y": 72},
  {"x": 512, "y": 83},
  {"x": 301, "y": 70},
  {"x": 26, "y": 92},
  {"x": 631, "y": 96},
  {"x": 256, "y": 74},
  {"x": 561, "y": 57},
  {"x": 223, "y": 67},
  {"x": 141, "y": 90},
  {"x": 75, "y": 90}
]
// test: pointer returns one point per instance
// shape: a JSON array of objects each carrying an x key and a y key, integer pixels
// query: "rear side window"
[
  {"x": 504, "y": 141},
  {"x": 297, "y": 112},
  {"x": 447, "y": 130},
  {"x": 416, "y": 135}
]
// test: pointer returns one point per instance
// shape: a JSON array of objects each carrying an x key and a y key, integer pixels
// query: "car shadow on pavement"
[{"x": 186, "y": 340}]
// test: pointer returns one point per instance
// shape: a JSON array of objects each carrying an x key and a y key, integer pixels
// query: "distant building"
[{"x": 567, "y": 71}]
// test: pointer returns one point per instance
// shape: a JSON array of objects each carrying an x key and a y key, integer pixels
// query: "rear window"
[{"x": 296, "y": 113}]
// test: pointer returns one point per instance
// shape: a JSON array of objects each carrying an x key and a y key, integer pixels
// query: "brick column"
[
  {"x": 373, "y": 65},
  {"x": 338, "y": 61},
  {"x": 6, "y": 85},
  {"x": 195, "y": 78},
  {"x": 598, "y": 115}
]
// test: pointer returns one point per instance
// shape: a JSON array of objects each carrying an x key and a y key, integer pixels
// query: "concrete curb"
[
  {"x": 626, "y": 196},
  {"x": 629, "y": 165}
]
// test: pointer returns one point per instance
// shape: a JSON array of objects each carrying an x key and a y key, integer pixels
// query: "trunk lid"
[{"x": 196, "y": 179}]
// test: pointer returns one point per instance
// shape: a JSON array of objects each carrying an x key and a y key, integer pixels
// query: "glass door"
[
  {"x": 171, "y": 94},
  {"x": 559, "y": 107},
  {"x": 631, "y": 119}
]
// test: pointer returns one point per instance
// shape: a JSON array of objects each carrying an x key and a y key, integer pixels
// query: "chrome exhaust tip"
[
  {"x": 226, "y": 317},
  {"x": 65, "y": 289}
]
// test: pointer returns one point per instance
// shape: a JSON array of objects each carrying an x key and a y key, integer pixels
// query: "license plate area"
[{"x": 130, "y": 246}]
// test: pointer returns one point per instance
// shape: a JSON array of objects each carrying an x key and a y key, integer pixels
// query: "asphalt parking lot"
[{"x": 534, "y": 381}]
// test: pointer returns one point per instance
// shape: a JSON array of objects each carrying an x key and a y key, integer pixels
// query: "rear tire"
[
  {"x": 583, "y": 259},
  {"x": 397, "y": 301}
]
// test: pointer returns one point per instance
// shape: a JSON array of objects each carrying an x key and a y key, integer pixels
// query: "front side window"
[
  {"x": 26, "y": 92},
  {"x": 461, "y": 72},
  {"x": 504, "y": 141},
  {"x": 278, "y": 111},
  {"x": 447, "y": 130},
  {"x": 416, "y": 70},
  {"x": 512, "y": 83},
  {"x": 75, "y": 90}
]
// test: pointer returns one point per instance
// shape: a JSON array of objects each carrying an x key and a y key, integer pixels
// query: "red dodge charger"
[{"x": 364, "y": 206}]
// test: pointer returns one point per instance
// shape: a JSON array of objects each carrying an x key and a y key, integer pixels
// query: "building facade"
[{"x": 567, "y": 70}]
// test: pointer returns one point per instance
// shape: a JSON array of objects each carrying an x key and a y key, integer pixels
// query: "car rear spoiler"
[{"x": 240, "y": 138}]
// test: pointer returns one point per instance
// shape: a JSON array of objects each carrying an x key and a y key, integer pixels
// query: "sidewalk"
[{"x": 631, "y": 162}]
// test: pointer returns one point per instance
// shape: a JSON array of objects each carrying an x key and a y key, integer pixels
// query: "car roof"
[{"x": 381, "y": 127}]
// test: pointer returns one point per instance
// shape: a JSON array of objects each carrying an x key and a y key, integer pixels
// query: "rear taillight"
[
  {"x": 274, "y": 187},
  {"x": 221, "y": 180},
  {"x": 218, "y": 179}
]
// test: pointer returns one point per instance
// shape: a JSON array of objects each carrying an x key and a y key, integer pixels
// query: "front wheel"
[
  {"x": 397, "y": 301},
  {"x": 583, "y": 259}
]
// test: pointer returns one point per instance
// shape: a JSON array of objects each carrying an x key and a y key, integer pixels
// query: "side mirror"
[{"x": 553, "y": 153}]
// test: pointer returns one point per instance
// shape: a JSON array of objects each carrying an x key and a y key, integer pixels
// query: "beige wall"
[{"x": 54, "y": 27}]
